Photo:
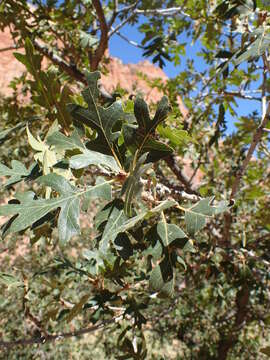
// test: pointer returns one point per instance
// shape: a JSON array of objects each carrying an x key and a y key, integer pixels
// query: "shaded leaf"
[
  {"x": 162, "y": 278},
  {"x": 141, "y": 137},
  {"x": 132, "y": 185},
  {"x": 118, "y": 224}
]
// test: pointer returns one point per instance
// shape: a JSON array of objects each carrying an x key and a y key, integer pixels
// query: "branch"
[
  {"x": 119, "y": 26},
  {"x": 103, "y": 42},
  {"x": 226, "y": 343},
  {"x": 165, "y": 12},
  {"x": 71, "y": 70},
  {"x": 256, "y": 139},
  {"x": 131, "y": 42},
  {"x": 128, "y": 8},
  {"x": 49, "y": 338},
  {"x": 240, "y": 95},
  {"x": 171, "y": 162},
  {"x": 8, "y": 48},
  {"x": 114, "y": 15}
]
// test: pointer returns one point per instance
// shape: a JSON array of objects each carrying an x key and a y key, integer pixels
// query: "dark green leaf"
[{"x": 97, "y": 117}]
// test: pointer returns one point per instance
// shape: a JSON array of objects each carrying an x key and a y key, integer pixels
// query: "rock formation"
[{"x": 124, "y": 75}]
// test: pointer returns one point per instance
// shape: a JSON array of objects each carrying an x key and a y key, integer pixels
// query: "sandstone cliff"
[{"x": 119, "y": 74}]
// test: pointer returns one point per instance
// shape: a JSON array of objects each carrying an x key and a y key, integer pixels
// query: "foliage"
[{"x": 135, "y": 218}]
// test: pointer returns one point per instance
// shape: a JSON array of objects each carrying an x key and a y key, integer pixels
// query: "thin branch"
[
  {"x": 131, "y": 42},
  {"x": 103, "y": 42},
  {"x": 171, "y": 162},
  {"x": 114, "y": 15},
  {"x": 256, "y": 139},
  {"x": 257, "y": 136},
  {"x": 71, "y": 70},
  {"x": 8, "y": 48},
  {"x": 50, "y": 338},
  {"x": 164, "y": 12},
  {"x": 119, "y": 26},
  {"x": 128, "y": 8},
  {"x": 239, "y": 95},
  {"x": 196, "y": 169}
]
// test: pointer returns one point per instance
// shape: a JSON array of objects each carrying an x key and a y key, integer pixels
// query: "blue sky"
[{"x": 131, "y": 54}]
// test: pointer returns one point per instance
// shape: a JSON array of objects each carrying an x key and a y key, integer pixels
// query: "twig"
[
  {"x": 49, "y": 338},
  {"x": 196, "y": 169},
  {"x": 255, "y": 140},
  {"x": 128, "y": 8},
  {"x": 165, "y": 12},
  {"x": 8, "y": 48},
  {"x": 114, "y": 15},
  {"x": 119, "y": 26},
  {"x": 131, "y": 42}
]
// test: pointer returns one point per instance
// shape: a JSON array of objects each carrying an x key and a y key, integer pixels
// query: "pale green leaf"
[
  {"x": 17, "y": 172},
  {"x": 30, "y": 210},
  {"x": 89, "y": 157},
  {"x": 62, "y": 142}
]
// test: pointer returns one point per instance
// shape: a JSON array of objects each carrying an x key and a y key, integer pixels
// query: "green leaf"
[
  {"x": 10, "y": 280},
  {"x": 132, "y": 185},
  {"x": 162, "y": 278},
  {"x": 177, "y": 137},
  {"x": 30, "y": 60},
  {"x": 62, "y": 142},
  {"x": 254, "y": 49},
  {"x": 142, "y": 137},
  {"x": 119, "y": 224},
  {"x": 141, "y": 113},
  {"x": 29, "y": 210},
  {"x": 17, "y": 172},
  {"x": 87, "y": 40},
  {"x": 97, "y": 117},
  {"x": 195, "y": 216},
  {"x": 89, "y": 157},
  {"x": 102, "y": 192},
  {"x": 168, "y": 233}
]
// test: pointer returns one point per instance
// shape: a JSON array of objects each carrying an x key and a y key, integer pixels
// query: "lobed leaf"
[
  {"x": 17, "y": 172},
  {"x": 30, "y": 210},
  {"x": 97, "y": 117}
]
